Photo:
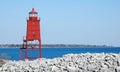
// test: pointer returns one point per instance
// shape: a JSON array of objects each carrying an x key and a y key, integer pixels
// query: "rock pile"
[
  {"x": 96, "y": 62},
  {"x": 2, "y": 62}
]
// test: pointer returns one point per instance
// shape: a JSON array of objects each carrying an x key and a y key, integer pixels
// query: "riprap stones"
[{"x": 84, "y": 62}]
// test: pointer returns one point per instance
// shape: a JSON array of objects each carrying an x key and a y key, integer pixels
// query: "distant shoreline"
[{"x": 56, "y": 46}]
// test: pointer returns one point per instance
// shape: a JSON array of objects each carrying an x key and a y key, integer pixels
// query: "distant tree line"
[{"x": 52, "y": 45}]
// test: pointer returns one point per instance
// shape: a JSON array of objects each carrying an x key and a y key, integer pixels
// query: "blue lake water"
[{"x": 14, "y": 53}]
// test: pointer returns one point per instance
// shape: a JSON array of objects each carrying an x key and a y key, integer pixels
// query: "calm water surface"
[{"x": 14, "y": 53}]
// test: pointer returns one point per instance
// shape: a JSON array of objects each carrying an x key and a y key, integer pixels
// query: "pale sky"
[{"x": 93, "y": 22}]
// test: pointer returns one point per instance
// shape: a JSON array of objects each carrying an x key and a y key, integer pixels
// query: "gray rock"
[{"x": 96, "y": 62}]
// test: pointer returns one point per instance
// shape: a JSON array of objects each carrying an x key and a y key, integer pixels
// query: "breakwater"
[{"x": 85, "y": 62}]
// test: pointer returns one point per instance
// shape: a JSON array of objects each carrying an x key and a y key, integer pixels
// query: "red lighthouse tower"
[{"x": 32, "y": 42}]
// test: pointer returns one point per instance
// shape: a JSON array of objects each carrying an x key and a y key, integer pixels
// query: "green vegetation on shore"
[{"x": 53, "y": 45}]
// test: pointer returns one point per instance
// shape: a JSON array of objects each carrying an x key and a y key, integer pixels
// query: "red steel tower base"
[{"x": 32, "y": 47}]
